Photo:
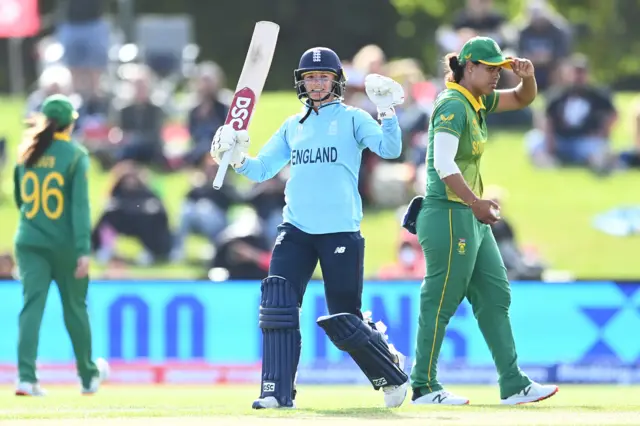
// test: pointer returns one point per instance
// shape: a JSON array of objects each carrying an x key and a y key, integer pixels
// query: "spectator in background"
[
  {"x": 53, "y": 80},
  {"x": 545, "y": 40},
  {"x": 141, "y": 125},
  {"x": 94, "y": 124},
  {"x": 83, "y": 31},
  {"x": 370, "y": 59},
  {"x": 450, "y": 40},
  {"x": 94, "y": 112},
  {"x": 209, "y": 114},
  {"x": 267, "y": 199},
  {"x": 410, "y": 264},
  {"x": 135, "y": 210},
  {"x": 478, "y": 18},
  {"x": 205, "y": 210},
  {"x": 631, "y": 157},
  {"x": 482, "y": 17},
  {"x": 578, "y": 123},
  {"x": 520, "y": 264},
  {"x": 7, "y": 267},
  {"x": 243, "y": 250}
]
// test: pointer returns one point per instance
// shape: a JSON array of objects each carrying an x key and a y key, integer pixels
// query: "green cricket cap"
[
  {"x": 60, "y": 109},
  {"x": 484, "y": 50}
]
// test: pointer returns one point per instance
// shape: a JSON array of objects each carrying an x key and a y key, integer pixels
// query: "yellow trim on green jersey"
[
  {"x": 475, "y": 102},
  {"x": 62, "y": 136}
]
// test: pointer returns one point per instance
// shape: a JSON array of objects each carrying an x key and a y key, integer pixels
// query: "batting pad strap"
[
  {"x": 279, "y": 304},
  {"x": 367, "y": 347},
  {"x": 279, "y": 318}
]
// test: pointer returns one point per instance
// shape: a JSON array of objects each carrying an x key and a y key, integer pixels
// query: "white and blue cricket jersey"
[{"x": 325, "y": 153}]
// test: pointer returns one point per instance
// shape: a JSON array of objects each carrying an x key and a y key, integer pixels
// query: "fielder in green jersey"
[
  {"x": 453, "y": 221},
  {"x": 52, "y": 242}
]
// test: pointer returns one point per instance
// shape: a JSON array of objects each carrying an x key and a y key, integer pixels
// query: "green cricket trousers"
[
  {"x": 38, "y": 267},
  {"x": 463, "y": 260}
]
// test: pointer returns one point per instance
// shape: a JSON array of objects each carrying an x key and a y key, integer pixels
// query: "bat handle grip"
[{"x": 222, "y": 169}]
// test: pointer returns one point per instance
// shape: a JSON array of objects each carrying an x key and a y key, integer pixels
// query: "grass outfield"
[
  {"x": 551, "y": 210},
  {"x": 317, "y": 405}
]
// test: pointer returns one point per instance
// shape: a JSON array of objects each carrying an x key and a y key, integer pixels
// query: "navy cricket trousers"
[{"x": 341, "y": 255}]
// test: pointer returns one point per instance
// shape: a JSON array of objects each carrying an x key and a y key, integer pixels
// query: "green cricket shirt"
[
  {"x": 53, "y": 198},
  {"x": 457, "y": 112}
]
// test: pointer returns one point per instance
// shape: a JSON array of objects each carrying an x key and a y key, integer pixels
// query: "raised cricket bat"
[{"x": 252, "y": 78}]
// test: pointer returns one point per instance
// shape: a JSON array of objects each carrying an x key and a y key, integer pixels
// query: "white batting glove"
[
  {"x": 385, "y": 93},
  {"x": 227, "y": 138}
]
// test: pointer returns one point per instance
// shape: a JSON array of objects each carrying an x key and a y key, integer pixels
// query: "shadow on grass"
[
  {"x": 533, "y": 407},
  {"x": 383, "y": 413},
  {"x": 362, "y": 412}
]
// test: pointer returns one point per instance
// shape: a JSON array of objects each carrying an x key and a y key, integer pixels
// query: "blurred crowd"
[{"x": 138, "y": 102}]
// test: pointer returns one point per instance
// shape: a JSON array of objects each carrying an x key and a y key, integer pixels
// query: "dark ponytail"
[
  {"x": 41, "y": 141},
  {"x": 454, "y": 71}
]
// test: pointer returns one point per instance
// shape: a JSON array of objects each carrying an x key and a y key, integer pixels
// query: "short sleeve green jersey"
[
  {"x": 457, "y": 112},
  {"x": 53, "y": 198}
]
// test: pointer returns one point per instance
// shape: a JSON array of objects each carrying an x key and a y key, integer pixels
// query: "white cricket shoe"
[
  {"x": 269, "y": 402},
  {"x": 29, "y": 389},
  {"x": 533, "y": 393},
  {"x": 103, "y": 374},
  {"x": 440, "y": 397},
  {"x": 394, "y": 396}
]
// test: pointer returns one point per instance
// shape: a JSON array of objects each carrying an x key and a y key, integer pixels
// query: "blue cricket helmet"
[{"x": 320, "y": 59}]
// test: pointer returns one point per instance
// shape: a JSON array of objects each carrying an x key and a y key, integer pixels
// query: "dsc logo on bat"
[{"x": 241, "y": 109}]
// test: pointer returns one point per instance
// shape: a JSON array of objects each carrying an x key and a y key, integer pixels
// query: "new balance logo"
[
  {"x": 525, "y": 391},
  {"x": 439, "y": 398},
  {"x": 340, "y": 250}
]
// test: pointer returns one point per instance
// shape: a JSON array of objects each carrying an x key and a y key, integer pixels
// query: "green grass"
[
  {"x": 551, "y": 209},
  {"x": 316, "y": 405}
]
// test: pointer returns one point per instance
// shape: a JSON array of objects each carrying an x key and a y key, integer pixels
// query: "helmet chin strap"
[{"x": 311, "y": 103}]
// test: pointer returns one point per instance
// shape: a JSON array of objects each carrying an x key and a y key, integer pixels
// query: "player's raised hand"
[
  {"x": 523, "y": 68},
  {"x": 227, "y": 138},
  {"x": 384, "y": 92}
]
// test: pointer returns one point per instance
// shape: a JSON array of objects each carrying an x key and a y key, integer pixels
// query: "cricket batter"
[
  {"x": 453, "y": 224},
  {"x": 322, "y": 216},
  {"x": 53, "y": 240}
]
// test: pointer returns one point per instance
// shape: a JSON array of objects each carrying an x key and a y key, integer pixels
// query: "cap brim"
[{"x": 498, "y": 61}]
